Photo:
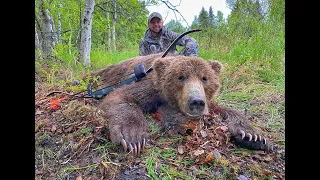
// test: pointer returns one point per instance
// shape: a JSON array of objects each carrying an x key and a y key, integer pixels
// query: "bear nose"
[{"x": 196, "y": 103}]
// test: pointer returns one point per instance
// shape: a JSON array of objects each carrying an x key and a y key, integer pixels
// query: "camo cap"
[{"x": 154, "y": 14}]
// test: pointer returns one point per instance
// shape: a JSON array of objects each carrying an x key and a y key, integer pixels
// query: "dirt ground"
[{"x": 71, "y": 141}]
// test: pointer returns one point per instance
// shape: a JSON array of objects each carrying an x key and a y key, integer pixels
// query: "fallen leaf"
[
  {"x": 223, "y": 128},
  {"x": 267, "y": 173},
  {"x": 192, "y": 124},
  {"x": 217, "y": 154},
  {"x": 163, "y": 143},
  {"x": 198, "y": 152},
  {"x": 246, "y": 154},
  {"x": 203, "y": 133},
  {"x": 68, "y": 129},
  {"x": 234, "y": 158},
  {"x": 211, "y": 135},
  {"x": 180, "y": 157},
  {"x": 209, "y": 158},
  {"x": 38, "y": 112},
  {"x": 155, "y": 116},
  {"x": 38, "y": 172},
  {"x": 141, "y": 165},
  {"x": 267, "y": 158},
  {"x": 172, "y": 132},
  {"x": 53, "y": 128},
  {"x": 45, "y": 122},
  {"x": 242, "y": 177},
  {"x": 81, "y": 141},
  {"x": 257, "y": 157},
  {"x": 181, "y": 149},
  {"x": 279, "y": 176}
]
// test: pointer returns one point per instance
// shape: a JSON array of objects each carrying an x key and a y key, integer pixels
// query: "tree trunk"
[
  {"x": 114, "y": 20},
  {"x": 86, "y": 25},
  {"x": 59, "y": 24},
  {"x": 37, "y": 44},
  {"x": 70, "y": 38},
  {"x": 48, "y": 33},
  {"x": 108, "y": 27}
]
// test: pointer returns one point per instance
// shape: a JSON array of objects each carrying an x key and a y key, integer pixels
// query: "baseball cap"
[{"x": 154, "y": 14}]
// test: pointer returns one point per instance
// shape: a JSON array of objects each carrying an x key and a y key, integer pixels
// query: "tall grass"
[{"x": 256, "y": 59}]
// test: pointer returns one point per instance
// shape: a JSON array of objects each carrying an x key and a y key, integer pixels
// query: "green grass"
[
  {"x": 83, "y": 132},
  {"x": 159, "y": 170}
]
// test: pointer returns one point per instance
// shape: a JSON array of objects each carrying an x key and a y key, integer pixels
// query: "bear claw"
[
  {"x": 242, "y": 134},
  {"x": 124, "y": 144},
  {"x": 143, "y": 143},
  {"x": 255, "y": 138},
  {"x": 130, "y": 148},
  {"x": 250, "y": 136},
  {"x": 134, "y": 148},
  {"x": 139, "y": 148}
]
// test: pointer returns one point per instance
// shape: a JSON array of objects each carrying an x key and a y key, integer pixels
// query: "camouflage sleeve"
[
  {"x": 189, "y": 43},
  {"x": 143, "y": 48}
]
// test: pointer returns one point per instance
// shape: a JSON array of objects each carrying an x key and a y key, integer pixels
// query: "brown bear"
[{"x": 180, "y": 88}]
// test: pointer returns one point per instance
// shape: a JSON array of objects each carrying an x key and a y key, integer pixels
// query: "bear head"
[{"x": 187, "y": 83}]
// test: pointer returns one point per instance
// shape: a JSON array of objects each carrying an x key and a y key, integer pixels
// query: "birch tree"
[
  {"x": 49, "y": 36},
  {"x": 86, "y": 26},
  {"x": 59, "y": 23},
  {"x": 114, "y": 20},
  {"x": 109, "y": 29},
  {"x": 37, "y": 43}
]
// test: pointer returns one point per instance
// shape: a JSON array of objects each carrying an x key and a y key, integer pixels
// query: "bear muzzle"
[{"x": 195, "y": 101}]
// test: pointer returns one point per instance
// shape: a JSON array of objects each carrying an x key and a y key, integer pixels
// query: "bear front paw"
[
  {"x": 252, "y": 141},
  {"x": 132, "y": 137}
]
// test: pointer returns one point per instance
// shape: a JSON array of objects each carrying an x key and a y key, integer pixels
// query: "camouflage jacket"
[{"x": 151, "y": 45}]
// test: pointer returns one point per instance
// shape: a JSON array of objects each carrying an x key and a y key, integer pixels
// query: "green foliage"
[
  {"x": 203, "y": 19},
  {"x": 219, "y": 19},
  {"x": 164, "y": 171},
  {"x": 150, "y": 164},
  {"x": 85, "y": 131},
  {"x": 175, "y": 26},
  {"x": 248, "y": 38},
  {"x": 212, "y": 18}
]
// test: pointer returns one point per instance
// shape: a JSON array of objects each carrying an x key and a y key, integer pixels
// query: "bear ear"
[
  {"x": 216, "y": 66},
  {"x": 159, "y": 65}
]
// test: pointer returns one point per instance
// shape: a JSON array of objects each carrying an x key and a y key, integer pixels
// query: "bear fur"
[{"x": 179, "y": 88}]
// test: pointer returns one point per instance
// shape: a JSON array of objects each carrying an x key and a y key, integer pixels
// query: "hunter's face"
[{"x": 155, "y": 24}]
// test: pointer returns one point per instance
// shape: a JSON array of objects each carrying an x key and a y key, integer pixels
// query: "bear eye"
[
  {"x": 181, "y": 78},
  {"x": 204, "y": 79}
]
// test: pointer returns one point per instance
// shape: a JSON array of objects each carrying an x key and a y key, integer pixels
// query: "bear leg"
[
  {"x": 128, "y": 126},
  {"x": 241, "y": 131}
]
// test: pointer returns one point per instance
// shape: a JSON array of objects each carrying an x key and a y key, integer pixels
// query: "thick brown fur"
[{"x": 169, "y": 89}]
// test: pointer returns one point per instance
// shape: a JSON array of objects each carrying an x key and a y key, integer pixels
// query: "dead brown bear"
[{"x": 181, "y": 88}]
